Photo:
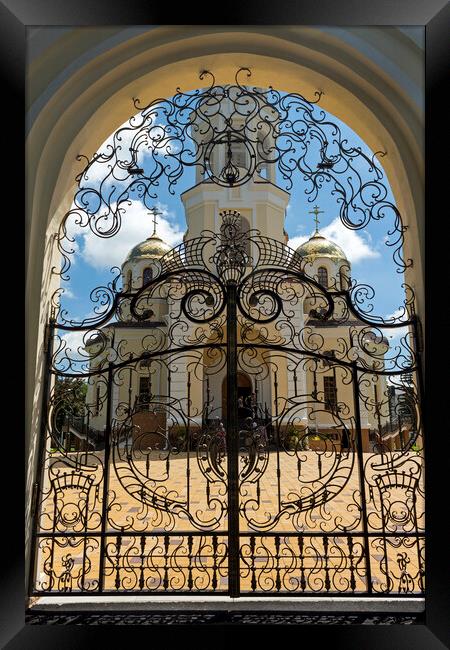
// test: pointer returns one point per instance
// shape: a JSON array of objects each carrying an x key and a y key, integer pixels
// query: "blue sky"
[{"x": 370, "y": 258}]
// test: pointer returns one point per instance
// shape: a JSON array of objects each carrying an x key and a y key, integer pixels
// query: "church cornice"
[{"x": 211, "y": 184}]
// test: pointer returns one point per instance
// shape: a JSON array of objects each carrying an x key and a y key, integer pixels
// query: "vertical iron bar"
[
  {"x": 169, "y": 394},
  {"x": 278, "y": 441},
  {"x": 352, "y": 568},
  {"x": 214, "y": 552},
  {"x": 277, "y": 563},
  {"x": 104, "y": 539},
  {"x": 417, "y": 329},
  {"x": 190, "y": 582},
  {"x": 252, "y": 554},
  {"x": 37, "y": 486},
  {"x": 208, "y": 398},
  {"x": 300, "y": 542},
  {"x": 327, "y": 568},
  {"x": 361, "y": 474},
  {"x": 166, "y": 562},
  {"x": 88, "y": 420},
  {"x": 335, "y": 397},
  {"x": 377, "y": 413},
  {"x": 188, "y": 441},
  {"x": 232, "y": 443},
  {"x": 130, "y": 390},
  {"x": 420, "y": 380},
  {"x": 141, "y": 577},
  {"x": 149, "y": 386},
  {"x": 86, "y": 512},
  {"x": 314, "y": 393}
]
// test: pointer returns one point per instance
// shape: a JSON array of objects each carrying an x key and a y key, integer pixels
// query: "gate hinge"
[
  {"x": 419, "y": 333},
  {"x": 48, "y": 329},
  {"x": 34, "y": 499},
  {"x": 46, "y": 338}
]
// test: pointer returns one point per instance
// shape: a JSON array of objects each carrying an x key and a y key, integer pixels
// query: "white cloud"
[
  {"x": 74, "y": 341},
  {"x": 398, "y": 314},
  {"x": 296, "y": 241},
  {"x": 68, "y": 294},
  {"x": 395, "y": 335},
  {"x": 74, "y": 349},
  {"x": 355, "y": 246},
  {"x": 136, "y": 226}
]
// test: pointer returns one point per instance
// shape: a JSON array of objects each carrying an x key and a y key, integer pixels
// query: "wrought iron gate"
[
  {"x": 167, "y": 477},
  {"x": 165, "y": 501}
]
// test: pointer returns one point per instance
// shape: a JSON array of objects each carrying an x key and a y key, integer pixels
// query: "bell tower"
[{"x": 231, "y": 152}]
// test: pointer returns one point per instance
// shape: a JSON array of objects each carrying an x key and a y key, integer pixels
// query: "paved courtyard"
[{"x": 301, "y": 525}]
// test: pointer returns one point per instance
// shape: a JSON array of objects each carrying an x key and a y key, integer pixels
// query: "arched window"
[
  {"x": 147, "y": 276},
  {"x": 322, "y": 276},
  {"x": 343, "y": 278}
]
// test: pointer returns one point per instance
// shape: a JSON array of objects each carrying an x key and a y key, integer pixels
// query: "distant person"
[
  {"x": 260, "y": 433},
  {"x": 222, "y": 438},
  {"x": 253, "y": 404}
]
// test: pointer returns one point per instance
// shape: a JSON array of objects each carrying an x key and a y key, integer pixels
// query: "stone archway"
[{"x": 85, "y": 106}]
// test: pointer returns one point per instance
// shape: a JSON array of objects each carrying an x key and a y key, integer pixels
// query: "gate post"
[
  {"x": 39, "y": 477},
  {"x": 232, "y": 443}
]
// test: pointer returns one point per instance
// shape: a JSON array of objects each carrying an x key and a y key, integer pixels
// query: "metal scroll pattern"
[
  {"x": 286, "y": 132},
  {"x": 144, "y": 505},
  {"x": 134, "y": 494}
]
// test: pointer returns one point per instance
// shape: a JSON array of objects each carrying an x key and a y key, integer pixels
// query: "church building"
[{"x": 260, "y": 205}]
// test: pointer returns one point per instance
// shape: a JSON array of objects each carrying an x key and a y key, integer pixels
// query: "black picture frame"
[{"x": 15, "y": 17}]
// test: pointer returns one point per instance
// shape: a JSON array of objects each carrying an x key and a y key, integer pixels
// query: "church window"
[
  {"x": 147, "y": 276},
  {"x": 210, "y": 164},
  {"x": 129, "y": 281},
  {"x": 239, "y": 154},
  {"x": 144, "y": 392},
  {"x": 322, "y": 275},
  {"x": 330, "y": 393},
  {"x": 343, "y": 279}
]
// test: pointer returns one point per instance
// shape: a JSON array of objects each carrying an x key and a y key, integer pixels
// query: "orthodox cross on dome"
[
  {"x": 316, "y": 211},
  {"x": 155, "y": 213}
]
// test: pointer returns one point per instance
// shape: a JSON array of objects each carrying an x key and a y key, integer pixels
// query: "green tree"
[{"x": 70, "y": 399}]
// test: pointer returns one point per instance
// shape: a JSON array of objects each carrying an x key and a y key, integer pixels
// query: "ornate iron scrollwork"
[{"x": 193, "y": 486}]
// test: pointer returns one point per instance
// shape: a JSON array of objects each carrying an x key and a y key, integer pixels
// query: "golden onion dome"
[
  {"x": 151, "y": 248},
  {"x": 320, "y": 246}
]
